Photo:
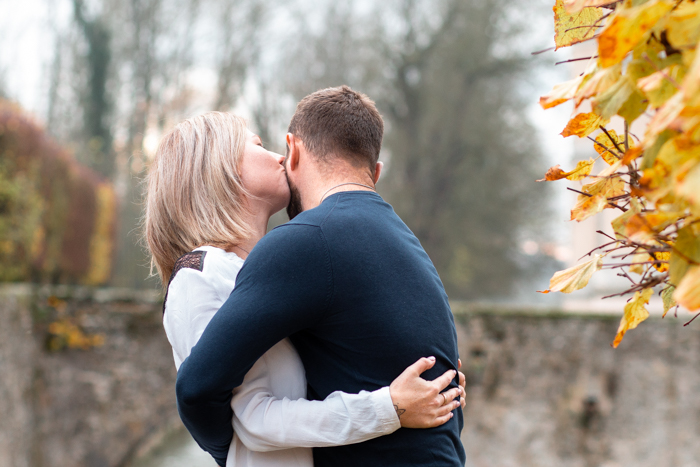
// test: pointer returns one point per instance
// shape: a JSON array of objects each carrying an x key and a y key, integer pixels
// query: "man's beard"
[{"x": 294, "y": 208}]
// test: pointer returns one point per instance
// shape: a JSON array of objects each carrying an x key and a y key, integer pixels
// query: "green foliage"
[{"x": 50, "y": 209}]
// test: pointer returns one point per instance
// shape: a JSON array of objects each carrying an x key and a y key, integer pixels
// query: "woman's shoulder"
[{"x": 206, "y": 267}]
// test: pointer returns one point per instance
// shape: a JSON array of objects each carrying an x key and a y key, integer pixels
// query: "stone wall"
[
  {"x": 82, "y": 408},
  {"x": 548, "y": 390},
  {"x": 544, "y": 389}
]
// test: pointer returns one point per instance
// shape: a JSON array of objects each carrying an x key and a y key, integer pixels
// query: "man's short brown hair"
[{"x": 339, "y": 122}]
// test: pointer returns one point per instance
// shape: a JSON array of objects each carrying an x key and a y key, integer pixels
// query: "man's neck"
[{"x": 336, "y": 185}]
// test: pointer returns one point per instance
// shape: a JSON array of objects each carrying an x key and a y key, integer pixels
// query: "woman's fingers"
[
  {"x": 445, "y": 409},
  {"x": 441, "y": 382},
  {"x": 442, "y": 419},
  {"x": 449, "y": 395},
  {"x": 421, "y": 366}
]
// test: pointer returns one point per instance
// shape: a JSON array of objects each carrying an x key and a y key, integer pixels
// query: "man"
[{"x": 346, "y": 279}]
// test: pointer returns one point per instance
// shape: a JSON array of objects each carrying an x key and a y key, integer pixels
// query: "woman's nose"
[{"x": 280, "y": 158}]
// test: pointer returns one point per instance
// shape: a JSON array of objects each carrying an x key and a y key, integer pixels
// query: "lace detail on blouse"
[{"x": 191, "y": 260}]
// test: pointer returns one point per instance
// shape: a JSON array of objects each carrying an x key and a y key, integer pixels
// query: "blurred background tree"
[{"x": 461, "y": 155}]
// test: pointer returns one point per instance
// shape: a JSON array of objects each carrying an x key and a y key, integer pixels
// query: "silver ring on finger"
[{"x": 444, "y": 397}]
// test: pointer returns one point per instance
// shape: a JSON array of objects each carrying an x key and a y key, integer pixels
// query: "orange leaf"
[
  {"x": 554, "y": 173},
  {"x": 643, "y": 227},
  {"x": 687, "y": 293},
  {"x": 635, "y": 313},
  {"x": 561, "y": 93},
  {"x": 583, "y": 125},
  {"x": 638, "y": 230},
  {"x": 631, "y": 155},
  {"x": 627, "y": 29}
]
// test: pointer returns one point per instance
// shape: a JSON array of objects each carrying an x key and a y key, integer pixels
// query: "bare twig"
[
  {"x": 576, "y": 60},
  {"x": 603, "y": 233},
  {"x": 598, "y": 248},
  {"x": 543, "y": 51},
  {"x": 693, "y": 319},
  {"x": 579, "y": 192},
  {"x": 617, "y": 146},
  {"x": 607, "y": 149}
]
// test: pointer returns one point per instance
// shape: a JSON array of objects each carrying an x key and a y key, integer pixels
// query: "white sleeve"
[
  {"x": 193, "y": 300},
  {"x": 265, "y": 423}
]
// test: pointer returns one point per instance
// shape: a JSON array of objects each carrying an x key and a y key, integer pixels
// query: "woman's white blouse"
[{"x": 273, "y": 424}]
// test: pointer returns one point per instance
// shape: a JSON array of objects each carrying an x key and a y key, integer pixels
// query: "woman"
[{"x": 212, "y": 188}]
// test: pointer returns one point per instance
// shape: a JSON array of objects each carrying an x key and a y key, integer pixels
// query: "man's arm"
[{"x": 285, "y": 286}]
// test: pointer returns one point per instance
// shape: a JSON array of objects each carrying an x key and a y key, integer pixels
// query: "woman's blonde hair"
[{"x": 195, "y": 195}]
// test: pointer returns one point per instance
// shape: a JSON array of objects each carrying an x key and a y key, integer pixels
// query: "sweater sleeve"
[
  {"x": 284, "y": 286},
  {"x": 266, "y": 423}
]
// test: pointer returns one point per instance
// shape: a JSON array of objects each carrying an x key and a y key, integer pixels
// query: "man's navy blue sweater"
[{"x": 361, "y": 300}]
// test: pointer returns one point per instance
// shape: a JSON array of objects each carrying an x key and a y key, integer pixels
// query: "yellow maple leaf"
[
  {"x": 618, "y": 224},
  {"x": 687, "y": 293},
  {"x": 683, "y": 25},
  {"x": 665, "y": 116},
  {"x": 637, "y": 261},
  {"x": 628, "y": 28},
  {"x": 583, "y": 125},
  {"x": 610, "y": 170},
  {"x": 667, "y": 297},
  {"x": 576, "y": 277},
  {"x": 634, "y": 314},
  {"x": 661, "y": 256},
  {"x": 587, "y": 206},
  {"x": 691, "y": 82},
  {"x": 572, "y": 28},
  {"x": 574, "y": 6},
  {"x": 561, "y": 93},
  {"x": 643, "y": 227},
  {"x": 597, "y": 197},
  {"x": 685, "y": 254},
  {"x": 611, "y": 101},
  {"x": 606, "y": 147},
  {"x": 689, "y": 187},
  {"x": 608, "y": 187},
  {"x": 581, "y": 171},
  {"x": 661, "y": 85},
  {"x": 598, "y": 83}
]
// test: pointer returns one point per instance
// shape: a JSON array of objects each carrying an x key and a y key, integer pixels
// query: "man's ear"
[
  {"x": 293, "y": 150},
  {"x": 378, "y": 171}
]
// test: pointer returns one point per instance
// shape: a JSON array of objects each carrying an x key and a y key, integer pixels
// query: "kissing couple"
[{"x": 328, "y": 341}]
